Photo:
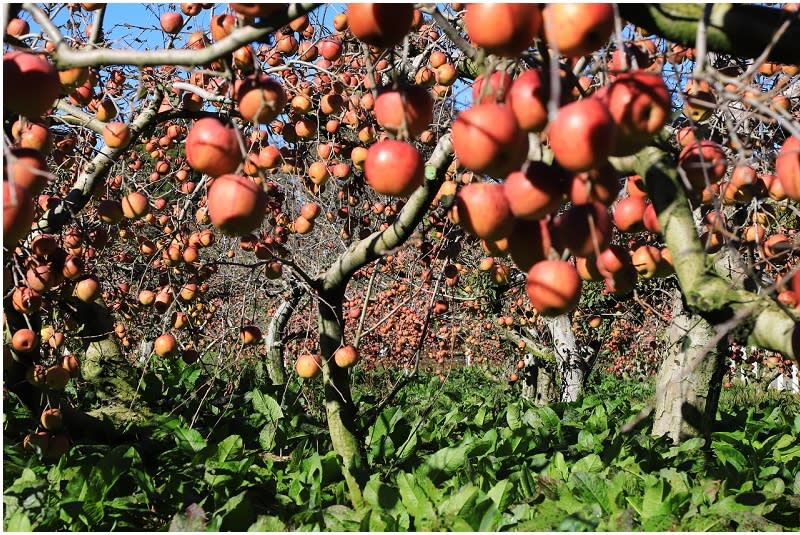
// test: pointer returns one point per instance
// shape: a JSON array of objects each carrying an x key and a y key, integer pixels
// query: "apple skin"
[
  {"x": 503, "y": 29},
  {"x": 639, "y": 103},
  {"x": 487, "y": 140},
  {"x": 483, "y": 210},
  {"x": 536, "y": 192},
  {"x": 787, "y": 167},
  {"x": 582, "y": 135},
  {"x": 394, "y": 168},
  {"x": 528, "y": 98},
  {"x": 577, "y": 29},
  {"x": 553, "y": 287},
  {"x": 703, "y": 159}
]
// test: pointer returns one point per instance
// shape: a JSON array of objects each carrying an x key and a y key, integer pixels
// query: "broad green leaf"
[
  {"x": 591, "y": 487},
  {"x": 459, "y": 524},
  {"x": 266, "y": 405},
  {"x": 653, "y": 500},
  {"x": 237, "y": 513},
  {"x": 382, "y": 497},
  {"x": 774, "y": 487},
  {"x": 558, "y": 467},
  {"x": 413, "y": 497},
  {"x": 447, "y": 460},
  {"x": 692, "y": 444},
  {"x": 266, "y": 437},
  {"x": 480, "y": 416},
  {"x": 513, "y": 416},
  {"x": 267, "y": 523},
  {"x": 730, "y": 455},
  {"x": 585, "y": 441},
  {"x": 18, "y": 521},
  {"x": 229, "y": 447},
  {"x": 590, "y": 463},
  {"x": 501, "y": 493},
  {"x": 341, "y": 518},
  {"x": 463, "y": 499},
  {"x": 189, "y": 438}
]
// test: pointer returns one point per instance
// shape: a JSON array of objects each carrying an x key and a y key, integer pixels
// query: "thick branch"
[
  {"x": 65, "y": 56},
  {"x": 718, "y": 300},
  {"x": 274, "y": 340},
  {"x": 54, "y": 219},
  {"x": 380, "y": 243},
  {"x": 736, "y": 29}
]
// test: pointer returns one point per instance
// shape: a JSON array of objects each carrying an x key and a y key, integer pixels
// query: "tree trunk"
[
  {"x": 572, "y": 364},
  {"x": 115, "y": 380},
  {"x": 274, "y": 342},
  {"x": 538, "y": 385},
  {"x": 339, "y": 406},
  {"x": 689, "y": 381}
]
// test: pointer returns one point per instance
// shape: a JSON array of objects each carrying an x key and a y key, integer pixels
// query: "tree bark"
[
  {"x": 572, "y": 366},
  {"x": 274, "y": 342},
  {"x": 689, "y": 380},
  {"x": 339, "y": 407}
]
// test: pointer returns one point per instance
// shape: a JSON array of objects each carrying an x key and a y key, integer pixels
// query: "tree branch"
[
  {"x": 64, "y": 56},
  {"x": 727, "y": 24},
  {"x": 365, "y": 251},
  {"x": 54, "y": 219},
  {"x": 716, "y": 299}
]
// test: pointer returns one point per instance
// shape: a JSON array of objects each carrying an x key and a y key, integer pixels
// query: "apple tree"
[{"x": 236, "y": 181}]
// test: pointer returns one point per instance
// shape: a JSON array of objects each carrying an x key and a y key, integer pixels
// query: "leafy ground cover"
[{"x": 465, "y": 454}]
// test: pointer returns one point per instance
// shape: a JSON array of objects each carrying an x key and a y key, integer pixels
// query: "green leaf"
[
  {"x": 585, "y": 441},
  {"x": 266, "y": 405},
  {"x": 267, "y": 523},
  {"x": 653, "y": 500},
  {"x": 447, "y": 460},
  {"x": 692, "y": 444},
  {"x": 266, "y": 437},
  {"x": 227, "y": 447},
  {"x": 189, "y": 439},
  {"x": 414, "y": 498},
  {"x": 462, "y": 500},
  {"x": 18, "y": 521},
  {"x": 730, "y": 455},
  {"x": 774, "y": 488},
  {"x": 590, "y": 463},
  {"x": 558, "y": 467},
  {"x": 382, "y": 497},
  {"x": 591, "y": 487},
  {"x": 236, "y": 514},
  {"x": 513, "y": 416},
  {"x": 341, "y": 518},
  {"x": 501, "y": 493}
]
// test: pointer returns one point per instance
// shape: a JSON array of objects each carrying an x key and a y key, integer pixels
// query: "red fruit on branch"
[
  {"x": 639, "y": 103},
  {"x": 483, "y": 210},
  {"x": 411, "y": 105},
  {"x": 577, "y": 29},
  {"x": 30, "y": 83},
  {"x": 503, "y": 29},
  {"x": 553, "y": 287},
  {"x": 787, "y": 167},
  {"x": 236, "y": 205},
  {"x": 582, "y": 135},
  {"x": 487, "y": 140},
  {"x": 213, "y": 147},
  {"x": 536, "y": 192},
  {"x": 382, "y": 25},
  {"x": 394, "y": 168}
]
